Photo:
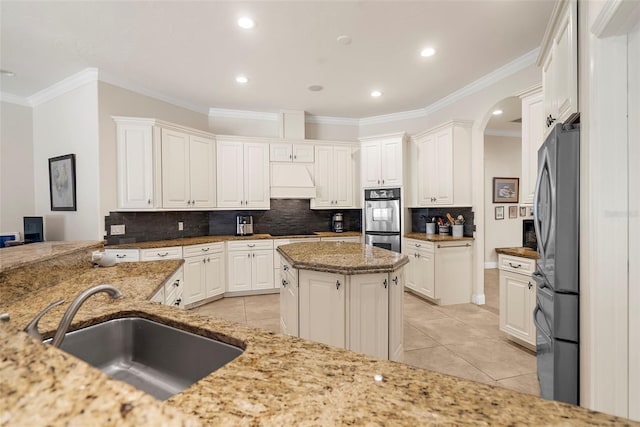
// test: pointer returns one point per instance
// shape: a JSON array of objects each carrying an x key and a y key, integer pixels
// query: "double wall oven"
[{"x": 382, "y": 218}]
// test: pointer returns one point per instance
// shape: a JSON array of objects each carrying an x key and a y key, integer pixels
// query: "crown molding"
[
  {"x": 72, "y": 82},
  {"x": 385, "y": 118},
  {"x": 14, "y": 99},
  {"x": 615, "y": 18},
  {"x": 503, "y": 132},
  {"x": 547, "y": 40},
  {"x": 533, "y": 90},
  {"x": 242, "y": 114},
  {"x": 328, "y": 120}
]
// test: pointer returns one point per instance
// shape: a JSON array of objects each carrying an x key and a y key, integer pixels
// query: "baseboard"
[
  {"x": 477, "y": 299},
  {"x": 491, "y": 264}
]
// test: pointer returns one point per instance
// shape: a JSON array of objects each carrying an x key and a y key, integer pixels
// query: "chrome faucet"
[{"x": 75, "y": 306}]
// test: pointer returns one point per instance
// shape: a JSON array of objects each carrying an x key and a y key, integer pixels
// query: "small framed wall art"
[
  {"x": 523, "y": 211},
  {"x": 505, "y": 190},
  {"x": 499, "y": 212},
  {"x": 62, "y": 182},
  {"x": 513, "y": 212}
]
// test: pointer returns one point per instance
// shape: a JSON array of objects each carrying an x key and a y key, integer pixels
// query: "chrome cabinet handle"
[
  {"x": 455, "y": 246},
  {"x": 285, "y": 267},
  {"x": 249, "y": 255},
  {"x": 121, "y": 256},
  {"x": 515, "y": 266},
  {"x": 251, "y": 244},
  {"x": 176, "y": 283},
  {"x": 289, "y": 156},
  {"x": 149, "y": 201},
  {"x": 395, "y": 280},
  {"x": 163, "y": 255},
  {"x": 295, "y": 156},
  {"x": 284, "y": 283},
  {"x": 204, "y": 260},
  {"x": 418, "y": 245},
  {"x": 178, "y": 302},
  {"x": 204, "y": 249},
  {"x": 385, "y": 283},
  {"x": 530, "y": 285},
  {"x": 337, "y": 284},
  {"x": 253, "y": 255}
]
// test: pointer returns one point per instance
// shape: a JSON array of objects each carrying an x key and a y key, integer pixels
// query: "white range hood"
[{"x": 292, "y": 181}]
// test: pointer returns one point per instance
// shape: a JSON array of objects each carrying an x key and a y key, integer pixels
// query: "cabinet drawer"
[
  {"x": 125, "y": 255},
  {"x": 207, "y": 248},
  {"x": 249, "y": 245},
  {"x": 516, "y": 264},
  {"x": 173, "y": 288},
  {"x": 159, "y": 254},
  {"x": 419, "y": 244}
]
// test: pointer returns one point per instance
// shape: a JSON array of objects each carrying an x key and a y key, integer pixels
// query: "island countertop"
[
  {"x": 341, "y": 257},
  {"x": 278, "y": 380}
]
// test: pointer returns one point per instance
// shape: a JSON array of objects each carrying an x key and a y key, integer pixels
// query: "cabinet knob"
[
  {"x": 249, "y": 255},
  {"x": 530, "y": 285},
  {"x": 295, "y": 157},
  {"x": 149, "y": 201},
  {"x": 253, "y": 254},
  {"x": 176, "y": 283},
  {"x": 204, "y": 260},
  {"x": 337, "y": 284},
  {"x": 385, "y": 283},
  {"x": 383, "y": 181},
  {"x": 284, "y": 283},
  {"x": 395, "y": 280},
  {"x": 289, "y": 156},
  {"x": 178, "y": 301},
  {"x": 378, "y": 181}
]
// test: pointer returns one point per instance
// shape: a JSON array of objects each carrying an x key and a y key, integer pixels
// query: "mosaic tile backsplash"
[
  {"x": 286, "y": 216},
  {"x": 419, "y": 222}
]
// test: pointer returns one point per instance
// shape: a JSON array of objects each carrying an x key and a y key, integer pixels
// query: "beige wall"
[
  {"x": 68, "y": 124},
  {"x": 16, "y": 166},
  {"x": 502, "y": 158}
]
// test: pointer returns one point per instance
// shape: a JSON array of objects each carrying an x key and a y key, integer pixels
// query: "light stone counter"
[
  {"x": 435, "y": 237},
  {"x": 277, "y": 381},
  {"x": 342, "y": 258},
  {"x": 521, "y": 252}
]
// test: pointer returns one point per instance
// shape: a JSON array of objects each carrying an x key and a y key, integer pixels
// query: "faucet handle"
[
  {"x": 4, "y": 317},
  {"x": 32, "y": 327}
]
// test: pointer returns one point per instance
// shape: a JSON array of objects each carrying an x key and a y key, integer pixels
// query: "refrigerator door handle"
[
  {"x": 539, "y": 325},
  {"x": 536, "y": 200},
  {"x": 541, "y": 279}
]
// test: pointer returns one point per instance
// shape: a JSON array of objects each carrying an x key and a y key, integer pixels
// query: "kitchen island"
[{"x": 278, "y": 380}]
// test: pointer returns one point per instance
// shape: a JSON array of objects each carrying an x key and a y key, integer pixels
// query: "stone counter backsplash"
[
  {"x": 419, "y": 224},
  {"x": 286, "y": 216}
]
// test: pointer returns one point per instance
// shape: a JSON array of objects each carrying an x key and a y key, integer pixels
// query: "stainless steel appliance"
[
  {"x": 244, "y": 225},
  {"x": 382, "y": 218},
  {"x": 556, "y": 221},
  {"x": 337, "y": 223}
]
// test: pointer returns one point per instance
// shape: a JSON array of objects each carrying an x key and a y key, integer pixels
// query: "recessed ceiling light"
[
  {"x": 428, "y": 52},
  {"x": 246, "y": 23},
  {"x": 315, "y": 88},
  {"x": 345, "y": 40},
  {"x": 376, "y": 93},
  {"x": 497, "y": 112},
  {"x": 242, "y": 79},
  {"x": 7, "y": 73}
]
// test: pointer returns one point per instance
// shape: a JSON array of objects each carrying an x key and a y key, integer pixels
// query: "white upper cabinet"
[
  {"x": 381, "y": 160},
  {"x": 442, "y": 161},
  {"x": 532, "y": 138},
  {"x": 242, "y": 174},
  {"x": 136, "y": 168},
  {"x": 285, "y": 152},
  {"x": 334, "y": 177},
  {"x": 559, "y": 61},
  {"x": 188, "y": 170}
]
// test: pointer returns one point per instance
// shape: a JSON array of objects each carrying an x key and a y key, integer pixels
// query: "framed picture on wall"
[
  {"x": 523, "y": 211},
  {"x": 62, "y": 182},
  {"x": 505, "y": 190},
  {"x": 513, "y": 212},
  {"x": 499, "y": 212}
]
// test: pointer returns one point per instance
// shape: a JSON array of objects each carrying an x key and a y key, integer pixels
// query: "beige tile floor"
[{"x": 461, "y": 340}]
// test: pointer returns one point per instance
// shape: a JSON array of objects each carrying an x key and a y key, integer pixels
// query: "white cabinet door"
[
  {"x": 279, "y": 152},
  {"x": 214, "y": 273},
  {"x": 369, "y": 314},
  {"x": 303, "y": 153},
  {"x": 343, "y": 177},
  {"x": 175, "y": 169},
  {"x": 427, "y": 166},
  {"x": 230, "y": 174},
  {"x": 256, "y": 175},
  {"x": 202, "y": 172},
  {"x": 239, "y": 263},
  {"x": 135, "y": 166},
  {"x": 391, "y": 162},
  {"x": 396, "y": 315},
  {"x": 453, "y": 268},
  {"x": 517, "y": 302},
  {"x": 262, "y": 269},
  {"x": 425, "y": 269},
  {"x": 370, "y": 164},
  {"x": 322, "y": 307},
  {"x": 323, "y": 170},
  {"x": 443, "y": 170},
  {"x": 289, "y": 302},
  {"x": 194, "y": 279},
  {"x": 532, "y": 139}
]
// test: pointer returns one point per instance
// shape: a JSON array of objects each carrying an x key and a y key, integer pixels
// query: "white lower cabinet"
[
  {"x": 441, "y": 272},
  {"x": 369, "y": 314},
  {"x": 347, "y": 239},
  {"x": 396, "y": 314},
  {"x": 161, "y": 254},
  {"x": 203, "y": 272},
  {"x": 517, "y": 301},
  {"x": 288, "y": 282},
  {"x": 173, "y": 290},
  {"x": 250, "y": 265},
  {"x": 124, "y": 255},
  {"x": 277, "y": 259},
  {"x": 322, "y": 307}
]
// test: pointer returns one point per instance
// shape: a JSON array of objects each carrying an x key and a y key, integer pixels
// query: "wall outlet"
[
  {"x": 180, "y": 225},
  {"x": 117, "y": 230}
]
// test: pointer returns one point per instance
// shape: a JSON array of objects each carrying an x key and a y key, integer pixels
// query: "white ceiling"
[{"x": 192, "y": 51}]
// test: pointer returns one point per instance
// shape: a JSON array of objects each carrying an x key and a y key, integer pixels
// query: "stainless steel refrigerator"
[{"x": 556, "y": 220}]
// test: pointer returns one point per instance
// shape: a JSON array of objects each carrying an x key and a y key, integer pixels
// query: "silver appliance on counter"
[
  {"x": 244, "y": 225},
  {"x": 556, "y": 220},
  {"x": 337, "y": 223},
  {"x": 382, "y": 218}
]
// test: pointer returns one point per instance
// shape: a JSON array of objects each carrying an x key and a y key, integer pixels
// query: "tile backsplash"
[
  {"x": 286, "y": 216},
  {"x": 419, "y": 222}
]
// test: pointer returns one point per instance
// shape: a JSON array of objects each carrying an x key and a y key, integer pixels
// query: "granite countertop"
[
  {"x": 187, "y": 241},
  {"x": 24, "y": 255},
  {"x": 342, "y": 257},
  {"x": 435, "y": 237},
  {"x": 278, "y": 380},
  {"x": 521, "y": 252}
]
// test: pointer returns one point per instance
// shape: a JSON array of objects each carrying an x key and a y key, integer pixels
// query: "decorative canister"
[
  {"x": 457, "y": 230},
  {"x": 431, "y": 228},
  {"x": 443, "y": 229}
]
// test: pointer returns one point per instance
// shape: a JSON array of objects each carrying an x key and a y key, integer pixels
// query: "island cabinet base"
[{"x": 360, "y": 312}]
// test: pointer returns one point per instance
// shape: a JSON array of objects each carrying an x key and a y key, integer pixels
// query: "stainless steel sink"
[{"x": 155, "y": 358}]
